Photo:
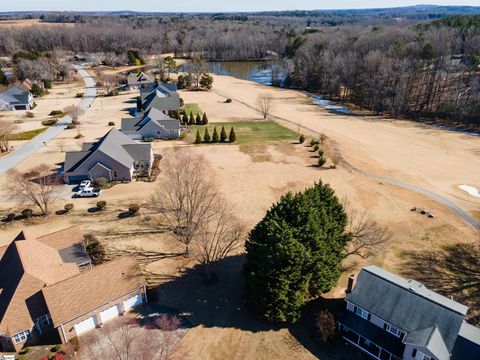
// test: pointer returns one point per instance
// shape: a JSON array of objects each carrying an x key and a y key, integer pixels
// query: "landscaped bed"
[{"x": 26, "y": 135}]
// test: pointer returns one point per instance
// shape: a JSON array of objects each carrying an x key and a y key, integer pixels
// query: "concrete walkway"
[{"x": 16, "y": 157}]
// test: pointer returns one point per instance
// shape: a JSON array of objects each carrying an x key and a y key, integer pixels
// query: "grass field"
[
  {"x": 192, "y": 108},
  {"x": 26, "y": 135},
  {"x": 248, "y": 131}
]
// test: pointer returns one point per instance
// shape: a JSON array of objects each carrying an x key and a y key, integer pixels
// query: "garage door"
[
  {"x": 132, "y": 302},
  {"x": 85, "y": 325},
  {"x": 77, "y": 179},
  {"x": 110, "y": 313}
]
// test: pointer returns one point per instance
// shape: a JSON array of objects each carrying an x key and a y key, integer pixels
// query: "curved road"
[
  {"x": 20, "y": 154},
  {"x": 438, "y": 198}
]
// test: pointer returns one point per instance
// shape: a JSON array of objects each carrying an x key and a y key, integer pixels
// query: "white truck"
[{"x": 88, "y": 192}]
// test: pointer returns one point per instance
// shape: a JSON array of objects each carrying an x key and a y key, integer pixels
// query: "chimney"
[{"x": 352, "y": 279}]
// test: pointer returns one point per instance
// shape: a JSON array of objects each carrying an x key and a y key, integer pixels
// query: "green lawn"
[
  {"x": 248, "y": 132},
  {"x": 192, "y": 108},
  {"x": 26, "y": 135}
]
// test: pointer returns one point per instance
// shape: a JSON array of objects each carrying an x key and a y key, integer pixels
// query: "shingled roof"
[{"x": 152, "y": 115}]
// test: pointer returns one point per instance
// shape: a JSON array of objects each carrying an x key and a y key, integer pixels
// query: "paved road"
[
  {"x": 438, "y": 198},
  {"x": 20, "y": 154}
]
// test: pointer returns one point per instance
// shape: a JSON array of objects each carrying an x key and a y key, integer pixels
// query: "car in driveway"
[
  {"x": 85, "y": 184},
  {"x": 88, "y": 192}
]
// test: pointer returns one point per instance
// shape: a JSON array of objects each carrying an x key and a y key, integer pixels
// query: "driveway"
[{"x": 16, "y": 157}]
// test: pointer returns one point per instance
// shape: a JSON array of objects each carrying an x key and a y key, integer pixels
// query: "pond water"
[{"x": 257, "y": 71}]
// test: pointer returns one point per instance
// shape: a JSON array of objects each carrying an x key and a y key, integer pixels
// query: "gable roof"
[
  {"x": 154, "y": 116},
  {"x": 112, "y": 144},
  {"x": 407, "y": 304},
  {"x": 78, "y": 295},
  {"x": 27, "y": 265},
  {"x": 430, "y": 339},
  {"x": 138, "y": 78},
  {"x": 15, "y": 95}
]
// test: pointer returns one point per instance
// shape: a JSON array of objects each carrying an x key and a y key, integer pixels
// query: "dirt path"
[{"x": 299, "y": 124}]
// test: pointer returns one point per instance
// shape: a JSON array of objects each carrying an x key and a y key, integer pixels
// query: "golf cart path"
[{"x": 16, "y": 157}]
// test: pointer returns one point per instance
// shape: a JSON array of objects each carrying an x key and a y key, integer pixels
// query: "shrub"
[
  {"x": 232, "y": 137},
  {"x": 321, "y": 161},
  {"x": 101, "y": 205},
  {"x": 148, "y": 139},
  {"x": 11, "y": 216},
  {"x": 215, "y": 136},
  {"x": 68, "y": 207},
  {"x": 95, "y": 249},
  {"x": 56, "y": 113},
  {"x": 113, "y": 93},
  {"x": 198, "y": 138},
  {"x": 134, "y": 208},
  {"x": 301, "y": 140},
  {"x": 335, "y": 160},
  {"x": 206, "y": 136},
  {"x": 47, "y": 83},
  {"x": 79, "y": 95},
  {"x": 228, "y": 101},
  {"x": 30, "y": 114},
  {"x": 316, "y": 147},
  {"x": 101, "y": 182},
  {"x": 37, "y": 90},
  {"x": 49, "y": 122},
  {"x": 111, "y": 123},
  {"x": 313, "y": 142},
  {"x": 71, "y": 126},
  {"x": 27, "y": 213},
  {"x": 24, "y": 351},
  {"x": 204, "y": 119}
]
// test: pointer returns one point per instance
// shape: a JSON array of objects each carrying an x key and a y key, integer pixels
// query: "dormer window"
[
  {"x": 393, "y": 330},
  {"x": 362, "y": 313}
]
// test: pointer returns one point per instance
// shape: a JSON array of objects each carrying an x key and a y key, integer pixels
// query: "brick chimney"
[{"x": 352, "y": 280}]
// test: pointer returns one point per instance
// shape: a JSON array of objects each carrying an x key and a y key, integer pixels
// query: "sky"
[{"x": 210, "y": 5}]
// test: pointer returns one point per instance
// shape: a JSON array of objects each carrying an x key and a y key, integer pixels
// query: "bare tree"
[
  {"x": 122, "y": 340},
  {"x": 265, "y": 106},
  {"x": 108, "y": 81},
  {"x": 218, "y": 238},
  {"x": 74, "y": 112},
  {"x": 326, "y": 326},
  {"x": 6, "y": 130},
  {"x": 367, "y": 235},
  {"x": 38, "y": 187},
  {"x": 196, "y": 68},
  {"x": 185, "y": 197}
]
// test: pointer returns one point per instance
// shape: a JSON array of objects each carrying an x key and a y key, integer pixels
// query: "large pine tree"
[{"x": 295, "y": 253}]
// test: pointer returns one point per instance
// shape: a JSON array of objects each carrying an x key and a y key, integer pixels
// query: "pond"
[{"x": 257, "y": 71}]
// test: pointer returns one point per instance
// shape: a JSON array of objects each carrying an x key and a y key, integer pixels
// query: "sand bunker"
[{"x": 471, "y": 190}]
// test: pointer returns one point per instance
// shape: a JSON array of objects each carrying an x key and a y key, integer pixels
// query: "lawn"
[
  {"x": 248, "y": 131},
  {"x": 26, "y": 135},
  {"x": 192, "y": 108}
]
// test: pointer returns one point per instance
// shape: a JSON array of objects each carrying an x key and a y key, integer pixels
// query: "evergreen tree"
[
  {"x": 215, "y": 137},
  {"x": 185, "y": 119},
  {"x": 198, "y": 119},
  {"x": 232, "y": 137},
  {"x": 321, "y": 158},
  {"x": 198, "y": 138},
  {"x": 295, "y": 253},
  {"x": 301, "y": 140},
  {"x": 204, "y": 119},
  {"x": 223, "y": 135},
  {"x": 206, "y": 136},
  {"x": 192, "y": 119}
]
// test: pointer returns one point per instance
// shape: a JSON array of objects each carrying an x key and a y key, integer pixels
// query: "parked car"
[
  {"x": 85, "y": 184},
  {"x": 89, "y": 192}
]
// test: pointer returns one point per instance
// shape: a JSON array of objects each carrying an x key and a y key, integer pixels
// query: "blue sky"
[{"x": 211, "y": 5}]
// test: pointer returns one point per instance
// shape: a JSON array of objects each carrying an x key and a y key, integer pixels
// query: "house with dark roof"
[
  {"x": 136, "y": 80},
  {"x": 48, "y": 287},
  {"x": 16, "y": 98},
  {"x": 390, "y": 318},
  {"x": 114, "y": 157},
  {"x": 153, "y": 124},
  {"x": 160, "y": 96}
]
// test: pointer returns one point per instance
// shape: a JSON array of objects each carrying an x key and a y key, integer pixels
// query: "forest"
[{"x": 403, "y": 67}]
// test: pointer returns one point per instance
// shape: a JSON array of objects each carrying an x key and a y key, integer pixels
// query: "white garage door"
[
  {"x": 132, "y": 302},
  {"x": 110, "y": 313},
  {"x": 85, "y": 325}
]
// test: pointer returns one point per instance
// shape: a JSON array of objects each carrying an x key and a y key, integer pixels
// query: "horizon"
[{"x": 191, "y": 6}]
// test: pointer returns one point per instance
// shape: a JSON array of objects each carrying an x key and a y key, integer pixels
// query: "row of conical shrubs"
[
  {"x": 216, "y": 137},
  {"x": 194, "y": 120}
]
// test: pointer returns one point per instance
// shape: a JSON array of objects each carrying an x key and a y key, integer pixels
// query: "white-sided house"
[
  {"x": 115, "y": 157},
  {"x": 153, "y": 124},
  {"x": 137, "y": 80},
  {"x": 16, "y": 98}
]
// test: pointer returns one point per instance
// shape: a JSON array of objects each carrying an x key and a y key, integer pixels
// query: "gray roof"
[
  {"x": 15, "y": 95},
  {"x": 152, "y": 115},
  {"x": 431, "y": 339},
  {"x": 407, "y": 304},
  {"x": 139, "y": 152},
  {"x": 140, "y": 78},
  {"x": 75, "y": 254},
  {"x": 115, "y": 145}
]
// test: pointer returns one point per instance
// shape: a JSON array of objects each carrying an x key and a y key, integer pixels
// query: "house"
[
  {"x": 16, "y": 98},
  {"x": 391, "y": 318},
  {"x": 161, "y": 96},
  {"x": 152, "y": 124},
  {"x": 48, "y": 287},
  {"x": 137, "y": 80},
  {"x": 115, "y": 157}
]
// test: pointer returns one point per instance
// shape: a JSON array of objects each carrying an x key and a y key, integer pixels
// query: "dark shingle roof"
[
  {"x": 407, "y": 304},
  {"x": 431, "y": 339},
  {"x": 467, "y": 345}
]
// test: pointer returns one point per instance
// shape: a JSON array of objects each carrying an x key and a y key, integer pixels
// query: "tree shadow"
[
  {"x": 125, "y": 214},
  {"x": 453, "y": 272},
  {"x": 93, "y": 210}
]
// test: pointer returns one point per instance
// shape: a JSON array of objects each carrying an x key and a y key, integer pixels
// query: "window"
[
  {"x": 115, "y": 174},
  {"x": 362, "y": 313},
  {"x": 393, "y": 330},
  {"x": 21, "y": 337},
  {"x": 44, "y": 320}
]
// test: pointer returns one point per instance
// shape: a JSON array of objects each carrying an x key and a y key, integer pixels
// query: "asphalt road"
[
  {"x": 438, "y": 198},
  {"x": 20, "y": 154}
]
